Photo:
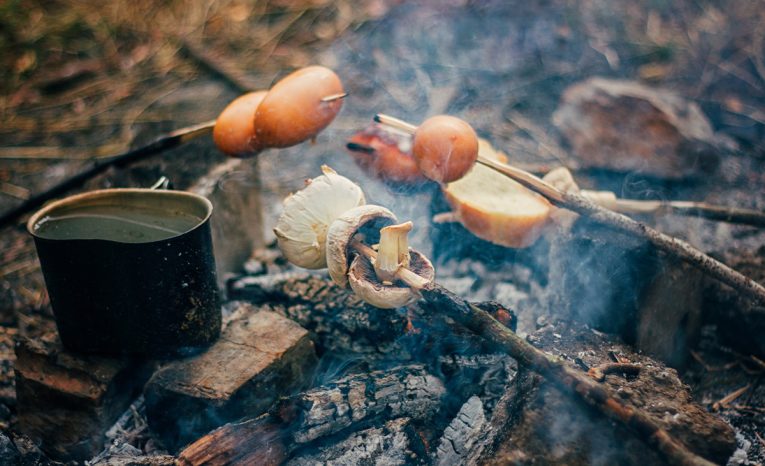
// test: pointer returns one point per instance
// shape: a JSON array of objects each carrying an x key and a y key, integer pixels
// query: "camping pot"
[{"x": 130, "y": 271}]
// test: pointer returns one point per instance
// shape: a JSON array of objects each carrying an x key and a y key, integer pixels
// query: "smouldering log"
[
  {"x": 553, "y": 369},
  {"x": 361, "y": 399},
  {"x": 583, "y": 206},
  {"x": 255, "y": 441},
  {"x": 395, "y": 442},
  {"x": 559, "y": 373}
]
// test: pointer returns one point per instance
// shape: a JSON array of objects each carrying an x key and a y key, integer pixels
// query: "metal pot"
[{"x": 119, "y": 291}]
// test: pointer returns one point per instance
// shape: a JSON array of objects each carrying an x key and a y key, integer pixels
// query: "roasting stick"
[
  {"x": 693, "y": 209},
  {"x": 163, "y": 143},
  {"x": 583, "y": 206},
  {"x": 551, "y": 368}
]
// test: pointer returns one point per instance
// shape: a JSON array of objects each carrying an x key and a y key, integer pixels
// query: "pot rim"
[{"x": 110, "y": 192}]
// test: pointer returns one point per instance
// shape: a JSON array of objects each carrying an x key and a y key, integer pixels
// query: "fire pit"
[{"x": 602, "y": 307}]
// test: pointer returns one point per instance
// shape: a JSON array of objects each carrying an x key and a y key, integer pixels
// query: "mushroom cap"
[
  {"x": 365, "y": 219},
  {"x": 366, "y": 285},
  {"x": 301, "y": 230}
]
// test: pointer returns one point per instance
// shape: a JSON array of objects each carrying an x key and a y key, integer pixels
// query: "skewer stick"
[
  {"x": 555, "y": 370},
  {"x": 693, "y": 209},
  {"x": 583, "y": 206},
  {"x": 334, "y": 97},
  {"x": 165, "y": 142},
  {"x": 626, "y": 206}
]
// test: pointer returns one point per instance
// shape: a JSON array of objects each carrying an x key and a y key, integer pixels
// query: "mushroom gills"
[{"x": 364, "y": 282}]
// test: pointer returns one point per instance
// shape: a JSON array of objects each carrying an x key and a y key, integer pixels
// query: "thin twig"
[
  {"x": 161, "y": 144},
  {"x": 599, "y": 373},
  {"x": 583, "y": 206},
  {"x": 693, "y": 209},
  {"x": 553, "y": 369},
  {"x": 730, "y": 398}
]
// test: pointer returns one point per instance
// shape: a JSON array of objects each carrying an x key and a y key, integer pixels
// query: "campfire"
[{"x": 424, "y": 297}]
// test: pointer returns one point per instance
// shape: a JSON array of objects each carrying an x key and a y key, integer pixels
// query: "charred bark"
[
  {"x": 362, "y": 399},
  {"x": 394, "y": 443},
  {"x": 555, "y": 370},
  {"x": 339, "y": 320}
]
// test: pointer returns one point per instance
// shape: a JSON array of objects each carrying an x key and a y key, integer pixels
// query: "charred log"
[
  {"x": 462, "y": 434},
  {"x": 645, "y": 425},
  {"x": 260, "y": 356},
  {"x": 362, "y": 399},
  {"x": 255, "y": 441},
  {"x": 394, "y": 443},
  {"x": 339, "y": 319}
]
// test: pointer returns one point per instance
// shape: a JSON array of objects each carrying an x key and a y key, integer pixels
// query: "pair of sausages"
[
  {"x": 292, "y": 111},
  {"x": 296, "y": 109}
]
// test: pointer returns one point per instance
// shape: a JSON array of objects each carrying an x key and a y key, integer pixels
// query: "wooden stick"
[
  {"x": 334, "y": 97},
  {"x": 555, "y": 370},
  {"x": 583, "y": 206},
  {"x": 693, "y": 209},
  {"x": 161, "y": 144},
  {"x": 626, "y": 206}
]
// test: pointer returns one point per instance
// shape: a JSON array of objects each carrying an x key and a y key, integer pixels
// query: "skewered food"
[
  {"x": 234, "y": 131},
  {"x": 298, "y": 107},
  {"x": 445, "y": 148},
  {"x": 301, "y": 231}
]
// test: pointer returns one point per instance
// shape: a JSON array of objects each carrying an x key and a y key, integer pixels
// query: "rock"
[
  {"x": 626, "y": 126},
  {"x": 56, "y": 388},
  {"x": 233, "y": 187},
  {"x": 260, "y": 357},
  {"x": 8, "y": 453},
  {"x": 552, "y": 428}
]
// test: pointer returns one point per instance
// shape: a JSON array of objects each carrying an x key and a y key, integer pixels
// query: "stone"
[
  {"x": 626, "y": 126},
  {"x": 233, "y": 187},
  {"x": 259, "y": 357},
  {"x": 66, "y": 401}
]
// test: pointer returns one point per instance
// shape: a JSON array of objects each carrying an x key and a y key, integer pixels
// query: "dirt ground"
[{"x": 83, "y": 80}]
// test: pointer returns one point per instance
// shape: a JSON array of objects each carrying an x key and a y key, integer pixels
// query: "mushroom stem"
[
  {"x": 393, "y": 251},
  {"x": 583, "y": 206},
  {"x": 413, "y": 280}
]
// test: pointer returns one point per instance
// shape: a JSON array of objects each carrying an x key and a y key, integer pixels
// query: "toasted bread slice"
[{"x": 497, "y": 209}]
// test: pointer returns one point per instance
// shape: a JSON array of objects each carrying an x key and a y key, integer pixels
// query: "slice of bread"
[{"x": 497, "y": 209}]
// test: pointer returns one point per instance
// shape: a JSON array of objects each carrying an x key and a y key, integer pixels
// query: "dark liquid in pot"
[{"x": 126, "y": 224}]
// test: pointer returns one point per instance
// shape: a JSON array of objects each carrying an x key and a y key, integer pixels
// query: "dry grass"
[{"x": 102, "y": 63}]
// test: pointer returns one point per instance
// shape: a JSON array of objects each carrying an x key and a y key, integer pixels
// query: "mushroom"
[
  {"x": 301, "y": 230},
  {"x": 375, "y": 280},
  {"x": 363, "y": 221}
]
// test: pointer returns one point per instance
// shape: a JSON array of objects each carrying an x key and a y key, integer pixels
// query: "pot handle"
[{"x": 162, "y": 183}]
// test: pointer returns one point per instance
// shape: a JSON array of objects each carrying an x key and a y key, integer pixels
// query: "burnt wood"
[{"x": 260, "y": 356}]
